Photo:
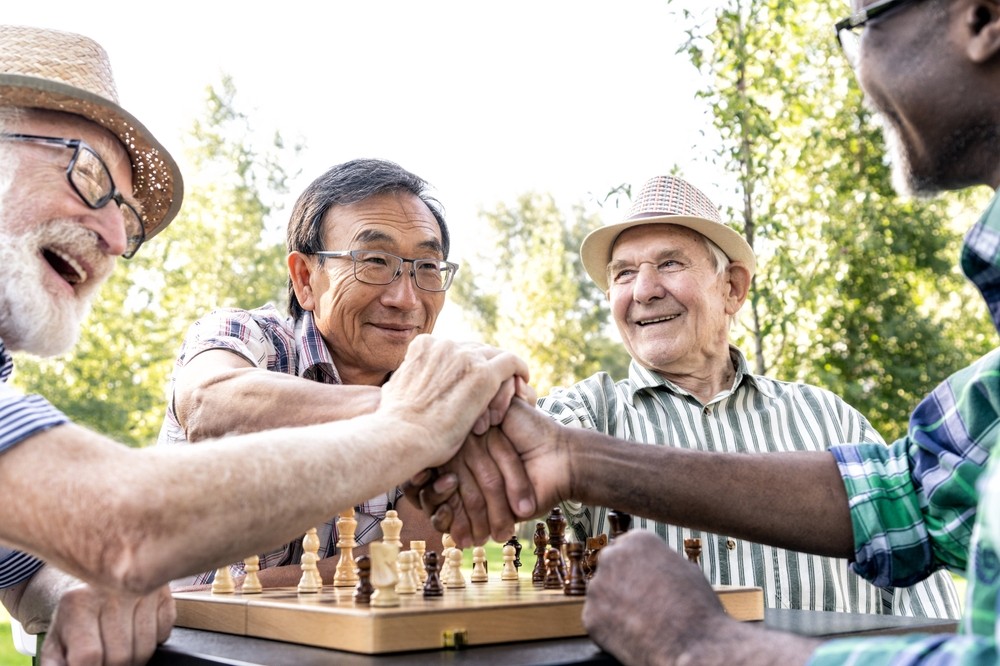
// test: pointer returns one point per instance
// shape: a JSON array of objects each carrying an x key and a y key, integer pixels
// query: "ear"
[
  {"x": 738, "y": 279},
  {"x": 300, "y": 271},
  {"x": 981, "y": 19}
]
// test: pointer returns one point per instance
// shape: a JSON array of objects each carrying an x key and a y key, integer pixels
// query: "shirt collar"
[
  {"x": 314, "y": 359},
  {"x": 981, "y": 258},
  {"x": 644, "y": 378}
]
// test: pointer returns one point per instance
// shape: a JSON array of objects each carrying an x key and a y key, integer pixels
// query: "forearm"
[
  {"x": 793, "y": 500},
  {"x": 144, "y": 517},
  {"x": 265, "y": 400}
]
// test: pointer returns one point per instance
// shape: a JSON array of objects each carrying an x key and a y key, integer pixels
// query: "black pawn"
[
  {"x": 432, "y": 586},
  {"x": 553, "y": 577},
  {"x": 364, "y": 589},
  {"x": 576, "y": 582},
  {"x": 620, "y": 523}
]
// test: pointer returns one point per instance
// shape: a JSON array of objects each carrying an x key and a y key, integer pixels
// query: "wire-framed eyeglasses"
[
  {"x": 375, "y": 267},
  {"x": 849, "y": 29},
  {"x": 91, "y": 179}
]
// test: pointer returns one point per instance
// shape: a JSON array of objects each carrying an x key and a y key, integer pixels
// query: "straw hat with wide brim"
[
  {"x": 61, "y": 71},
  {"x": 665, "y": 200}
]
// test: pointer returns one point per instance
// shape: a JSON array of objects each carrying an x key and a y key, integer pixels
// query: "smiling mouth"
[
  {"x": 66, "y": 266},
  {"x": 658, "y": 320}
]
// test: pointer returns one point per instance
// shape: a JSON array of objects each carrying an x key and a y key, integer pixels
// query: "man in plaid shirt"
[{"x": 367, "y": 273}]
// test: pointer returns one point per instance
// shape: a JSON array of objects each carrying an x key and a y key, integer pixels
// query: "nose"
[
  {"x": 402, "y": 292},
  {"x": 648, "y": 284},
  {"x": 109, "y": 225}
]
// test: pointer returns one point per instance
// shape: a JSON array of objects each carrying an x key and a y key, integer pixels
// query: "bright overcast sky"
[{"x": 484, "y": 100}]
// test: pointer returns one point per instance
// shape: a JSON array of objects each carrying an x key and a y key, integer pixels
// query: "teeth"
[
  {"x": 656, "y": 321},
  {"x": 81, "y": 274}
]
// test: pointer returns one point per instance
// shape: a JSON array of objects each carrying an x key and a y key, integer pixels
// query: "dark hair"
[{"x": 346, "y": 184}]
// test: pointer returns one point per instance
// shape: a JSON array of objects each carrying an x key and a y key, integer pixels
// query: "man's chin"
[{"x": 43, "y": 344}]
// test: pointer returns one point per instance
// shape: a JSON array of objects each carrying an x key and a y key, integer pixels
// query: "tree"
[
  {"x": 854, "y": 289},
  {"x": 220, "y": 251},
  {"x": 533, "y": 297}
]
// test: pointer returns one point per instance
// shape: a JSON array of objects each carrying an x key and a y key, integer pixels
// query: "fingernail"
[
  {"x": 446, "y": 483},
  {"x": 525, "y": 508}
]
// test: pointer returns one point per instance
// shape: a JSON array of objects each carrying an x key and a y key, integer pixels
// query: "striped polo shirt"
[
  {"x": 21, "y": 416},
  {"x": 756, "y": 415}
]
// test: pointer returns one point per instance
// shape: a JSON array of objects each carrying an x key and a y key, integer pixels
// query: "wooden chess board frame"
[{"x": 478, "y": 614}]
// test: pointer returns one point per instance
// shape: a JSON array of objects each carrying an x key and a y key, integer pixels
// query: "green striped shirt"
[{"x": 757, "y": 415}]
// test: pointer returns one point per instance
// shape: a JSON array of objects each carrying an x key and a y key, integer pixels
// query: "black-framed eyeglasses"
[
  {"x": 849, "y": 29},
  {"x": 374, "y": 267},
  {"x": 91, "y": 179}
]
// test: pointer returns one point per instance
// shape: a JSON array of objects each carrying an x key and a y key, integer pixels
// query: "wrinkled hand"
[
  {"x": 647, "y": 605},
  {"x": 511, "y": 473},
  {"x": 511, "y": 388},
  {"x": 445, "y": 387},
  {"x": 91, "y": 626}
]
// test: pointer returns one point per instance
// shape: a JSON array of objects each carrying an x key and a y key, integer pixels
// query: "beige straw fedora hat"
[
  {"x": 665, "y": 200},
  {"x": 61, "y": 71}
]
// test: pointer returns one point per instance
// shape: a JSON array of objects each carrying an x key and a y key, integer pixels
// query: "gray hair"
[{"x": 345, "y": 184}]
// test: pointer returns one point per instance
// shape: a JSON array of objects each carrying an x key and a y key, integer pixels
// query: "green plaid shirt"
[{"x": 915, "y": 505}]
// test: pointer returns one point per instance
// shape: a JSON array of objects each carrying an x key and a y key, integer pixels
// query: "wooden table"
[{"x": 190, "y": 647}]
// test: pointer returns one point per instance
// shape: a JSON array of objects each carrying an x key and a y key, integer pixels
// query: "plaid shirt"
[
  {"x": 21, "y": 416},
  {"x": 756, "y": 415},
  {"x": 915, "y": 506},
  {"x": 268, "y": 340}
]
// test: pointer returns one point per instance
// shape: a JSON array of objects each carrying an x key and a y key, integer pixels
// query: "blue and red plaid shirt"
[{"x": 276, "y": 343}]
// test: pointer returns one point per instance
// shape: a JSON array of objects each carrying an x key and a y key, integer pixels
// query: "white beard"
[{"x": 32, "y": 318}]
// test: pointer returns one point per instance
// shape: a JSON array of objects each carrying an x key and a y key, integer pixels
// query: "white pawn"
[
  {"x": 223, "y": 581},
  {"x": 251, "y": 584},
  {"x": 419, "y": 547},
  {"x": 455, "y": 578},
  {"x": 311, "y": 581},
  {"x": 447, "y": 545},
  {"x": 479, "y": 574},
  {"x": 509, "y": 571},
  {"x": 406, "y": 584}
]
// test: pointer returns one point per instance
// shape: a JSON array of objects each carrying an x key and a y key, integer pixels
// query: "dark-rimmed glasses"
[
  {"x": 374, "y": 267},
  {"x": 849, "y": 29},
  {"x": 90, "y": 178}
]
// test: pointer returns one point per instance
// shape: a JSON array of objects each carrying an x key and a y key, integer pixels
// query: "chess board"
[{"x": 481, "y": 613}]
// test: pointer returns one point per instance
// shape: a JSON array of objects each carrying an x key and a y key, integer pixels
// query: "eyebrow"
[
  {"x": 376, "y": 236},
  {"x": 666, "y": 254}
]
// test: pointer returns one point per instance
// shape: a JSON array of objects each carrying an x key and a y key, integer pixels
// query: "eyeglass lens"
[
  {"x": 92, "y": 181},
  {"x": 382, "y": 268}
]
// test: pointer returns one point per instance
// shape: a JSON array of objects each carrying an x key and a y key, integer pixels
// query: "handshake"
[{"x": 490, "y": 457}]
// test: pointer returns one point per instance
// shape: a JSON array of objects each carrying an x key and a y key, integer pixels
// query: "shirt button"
[{"x": 730, "y": 544}]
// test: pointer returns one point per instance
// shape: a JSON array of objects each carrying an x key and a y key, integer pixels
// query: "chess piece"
[
  {"x": 407, "y": 581},
  {"x": 517, "y": 550},
  {"x": 364, "y": 589},
  {"x": 223, "y": 581},
  {"x": 479, "y": 573},
  {"x": 419, "y": 547},
  {"x": 432, "y": 584},
  {"x": 509, "y": 571},
  {"x": 620, "y": 523},
  {"x": 692, "y": 548},
  {"x": 556, "y": 523},
  {"x": 447, "y": 543},
  {"x": 455, "y": 578},
  {"x": 553, "y": 579},
  {"x": 251, "y": 584},
  {"x": 310, "y": 582},
  {"x": 540, "y": 541},
  {"x": 384, "y": 574},
  {"x": 344, "y": 575},
  {"x": 576, "y": 582},
  {"x": 391, "y": 528},
  {"x": 592, "y": 554}
]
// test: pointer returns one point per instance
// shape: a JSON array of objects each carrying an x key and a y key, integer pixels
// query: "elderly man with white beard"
[{"x": 81, "y": 183}]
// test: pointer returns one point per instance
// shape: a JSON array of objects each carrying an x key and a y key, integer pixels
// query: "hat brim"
[
  {"x": 156, "y": 179},
  {"x": 595, "y": 251}
]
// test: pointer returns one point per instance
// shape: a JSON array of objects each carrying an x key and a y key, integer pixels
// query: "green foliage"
[
  {"x": 220, "y": 251},
  {"x": 533, "y": 297},
  {"x": 855, "y": 289}
]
